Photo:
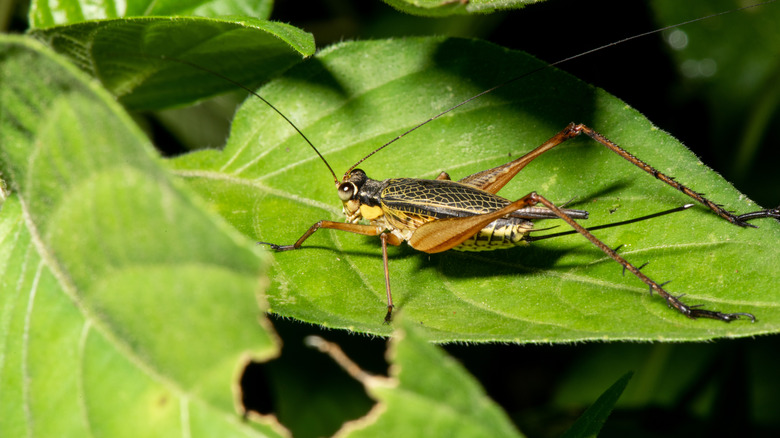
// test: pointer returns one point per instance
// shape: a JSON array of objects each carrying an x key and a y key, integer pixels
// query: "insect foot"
[
  {"x": 674, "y": 302},
  {"x": 276, "y": 247},
  {"x": 694, "y": 312},
  {"x": 574, "y": 130},
  {"x": 773, "y": 213}
]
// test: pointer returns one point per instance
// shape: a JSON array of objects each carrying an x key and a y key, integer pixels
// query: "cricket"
[{"x": 441, "y": 214}]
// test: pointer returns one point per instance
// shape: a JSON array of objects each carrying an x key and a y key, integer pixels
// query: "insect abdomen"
[{"x": 503, "y": 233}]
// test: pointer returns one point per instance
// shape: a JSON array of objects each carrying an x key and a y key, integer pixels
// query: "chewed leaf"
[
  {"x": 128, "y": 308},
  {"x": 354, "y": 97},
  {"x": 427, "y": 391}
]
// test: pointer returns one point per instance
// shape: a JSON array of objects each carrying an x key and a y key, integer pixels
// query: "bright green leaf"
[
  {"x": 129, "y": 55},
  {"x": 128, "y": 308},
  {"x": 47, "y": 13},
  {"x": 354, "y": 97}
]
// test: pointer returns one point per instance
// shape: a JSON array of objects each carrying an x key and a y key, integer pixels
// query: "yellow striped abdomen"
[{"x": 500, "y": 234}]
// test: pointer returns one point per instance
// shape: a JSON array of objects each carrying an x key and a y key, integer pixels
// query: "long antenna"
[
  {"x": 539, "y": 69},
  {"x": 249, "y": 90}
]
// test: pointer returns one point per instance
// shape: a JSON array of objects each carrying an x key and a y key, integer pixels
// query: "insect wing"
[{"x": 438, "y": 199}]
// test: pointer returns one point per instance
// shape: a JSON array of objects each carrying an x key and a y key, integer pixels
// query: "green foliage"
[
  {"x": 129, "y": 56},
  {"x": 132, "y": 286},
  {"x": 737, "y": 78},
  {"x": 115, "y": 278},
  {"x": 47, "y": 13},
  {"x": 591, "y": 421},
  {"x": 443, "y": 8},
  {"x": 421, "y": 391}
]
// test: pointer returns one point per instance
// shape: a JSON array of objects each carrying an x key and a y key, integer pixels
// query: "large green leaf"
[
  {"x": 128, "y": 309},
  {"x": 47, "y": 13},
  {"x": 355, "y": 96},
  {"x": 129, "y": 55}
]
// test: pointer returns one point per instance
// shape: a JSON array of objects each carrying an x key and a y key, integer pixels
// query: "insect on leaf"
[{"x": 353, "y": 97}]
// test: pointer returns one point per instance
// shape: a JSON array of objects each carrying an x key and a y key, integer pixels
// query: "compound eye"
[{"x": 346, "y": 191}]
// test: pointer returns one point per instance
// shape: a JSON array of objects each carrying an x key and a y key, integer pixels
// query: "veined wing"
[
  {"x": 445, "y": 199},
  {"x": 437, "y": 198}
]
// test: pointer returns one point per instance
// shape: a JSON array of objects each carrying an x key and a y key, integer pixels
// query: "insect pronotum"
[{"x": 438, "y": 215}]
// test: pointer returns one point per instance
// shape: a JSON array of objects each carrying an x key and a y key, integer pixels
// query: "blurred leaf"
[
  {"x": 441, "y": 8},
  {"x": 730, "y": 61},
  {"x": 128, "y": 308},
  {"x": 592, "y": 420},
  {"x": 353, "y": 97},
  {"x": 47, "y": 13},
  {"x": 427, "y": 394},
  {"x": 150, "y": 63}
]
